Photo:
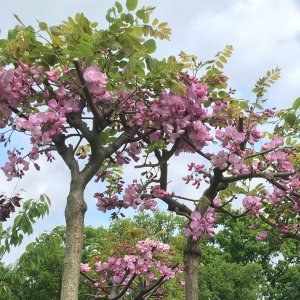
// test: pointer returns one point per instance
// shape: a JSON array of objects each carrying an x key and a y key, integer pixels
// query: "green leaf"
[
  {"x": 296, "y": 103},
  {"x": 257, "y": 105},
  {"x": 18, "y": 19},
  {"x": 163, "y": 25},
  {"x": 129, "y": 18},
  {"x": 140, "y": 14},
  {"x": 119, "y": 7},
  {"x": 150, "y": 46},
  {"x": 155, "y": 22},
  {"x": 157, "y": 145},
  {"x": 84, "y": 51},
  {"x": 290, "y": 118},
  {"x": 219, "y": 64},
  {"x": 223, "y": 59},
  {"x": 131, "y": 4},
  {"x": 43, "y": 26}
]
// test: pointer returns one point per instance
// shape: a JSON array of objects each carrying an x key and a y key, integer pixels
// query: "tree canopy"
[{"x": 100, "y": 99}]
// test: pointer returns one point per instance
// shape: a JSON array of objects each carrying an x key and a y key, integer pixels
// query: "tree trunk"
[
  {"x": 74, "y": 213},
  {"x": 192, "y": 258}
]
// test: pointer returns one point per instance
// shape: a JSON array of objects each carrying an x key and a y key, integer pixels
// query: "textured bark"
[
  {"x": 74, "y": 214},
  {"x": 192, "y": 258}
]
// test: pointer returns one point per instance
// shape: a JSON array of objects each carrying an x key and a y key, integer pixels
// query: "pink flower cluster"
[
  {"x": 147, "y": 247},
  {"x": 131, "y": 198},
  {"x": 254, "y": 204},
  {"x": 174, "y": 116},
  {"x": 276, "y": 197},
  {"x": 275, "y": 143},
  {"x": 42, "y": 126},
  {"x": 281, "y": 160},
  {"x": 147, "y": 261},
  {"x": 194, "y": 177},
  {"x": 16, "y": 87},
  {"x": 15, "y": 166},
  {"x": 230, "y": 138},
  {"x": 261, "y": 236},
  {"x": 199, "y": 226},
  {"x": 96, "y": 82}
]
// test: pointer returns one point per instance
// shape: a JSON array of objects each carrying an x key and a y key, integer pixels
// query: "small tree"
[{"x": 98, "y": 95}]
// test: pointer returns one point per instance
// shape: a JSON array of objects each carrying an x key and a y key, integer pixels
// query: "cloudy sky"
[{"x": 264, "y": 33}]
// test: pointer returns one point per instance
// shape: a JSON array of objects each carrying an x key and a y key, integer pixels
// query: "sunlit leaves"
[
  {"x": 150, "y": 46},
  {"x": 31, "y": 211},
  {"x": 265, "y": 82},
  {"x": 131, "y": 4},
  {"x": 296, "y": 103}
]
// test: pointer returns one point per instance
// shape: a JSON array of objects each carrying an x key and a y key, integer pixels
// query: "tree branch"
[
  {"x": 126, "y": 287},
  {"x": 275, "y": 226},
  {"x": 67, "y": 155},
  {"x": 196, "y": 150},
  {"x": 263, "y": 175},
  {"x": 98, "y": 116}
]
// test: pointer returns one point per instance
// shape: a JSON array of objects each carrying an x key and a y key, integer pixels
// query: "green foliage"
[
  {"x": 234, "y": 265},
  {"x": 220, "y": 280},
  {"x": 263, "y": 83},
  {"x": 131, "y": 4},
  {"x": 31, "y": 211}
]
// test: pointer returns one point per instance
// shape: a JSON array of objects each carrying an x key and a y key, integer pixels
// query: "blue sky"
[{"x": 265, "y": 34}]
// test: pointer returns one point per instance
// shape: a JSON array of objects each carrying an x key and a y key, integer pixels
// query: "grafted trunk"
[
  {"x": 192, "y": 258},
  {"x": 75, "y": 210}
]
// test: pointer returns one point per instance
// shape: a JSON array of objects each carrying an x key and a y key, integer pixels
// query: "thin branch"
[
  {"x": 93, "y": 281},
  {"x": 196, "y": 150},
  {"x": 17, "y": 112},
  {"x": 97, "y": 114},
  {"x": 275, "y": 226},
  {"x": 126, "y": 287},
  {"x": 229, "y": 213},
  {"x": 185, "y": 198},
  {"x": 264, "y": 175},
  {"x": 258, "y": 154},
  {"x": 150, "y": 165},
  {"x": 77, "y": 145},
  {"x": 146, "y": 291},
  {"x": 125, "y": 137}
]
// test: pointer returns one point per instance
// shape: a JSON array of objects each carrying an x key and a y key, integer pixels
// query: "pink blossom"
[
  {"x": 252, "y": 203},
  {"x": 85, "y": 268},
  {"x": 198, "y": 225},
  {"x": 261, "y": 236},
  {"x": 217, "y": 202},
  {"x": 220, "y": 160},
  {"x": 275, "y": 143}
]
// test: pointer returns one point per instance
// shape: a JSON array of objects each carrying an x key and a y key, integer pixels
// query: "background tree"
[{"x": 222, "y": 274}]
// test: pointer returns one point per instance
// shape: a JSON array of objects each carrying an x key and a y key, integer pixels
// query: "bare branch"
[
  {"x": 150, "y": 165},
  {"x": 258, "y": 154},
  {"x": 275, "y": 226},
  {"x": 229, "y": 213},
  {"x": 185, "y": 198},
  {"x": 124, "y": 290},
  {"x": 198, "y": 151},
  {"x": 263, "y": 175}
]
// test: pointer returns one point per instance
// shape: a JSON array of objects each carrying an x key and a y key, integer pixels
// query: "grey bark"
[
  {"x": 74, "y": 213},
  {"x": 192, "y": 257}
]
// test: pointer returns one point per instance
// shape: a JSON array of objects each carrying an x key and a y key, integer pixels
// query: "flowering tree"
[
  {"x": 100, "y": 97},
  {"x": 137, "y": 275}
]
